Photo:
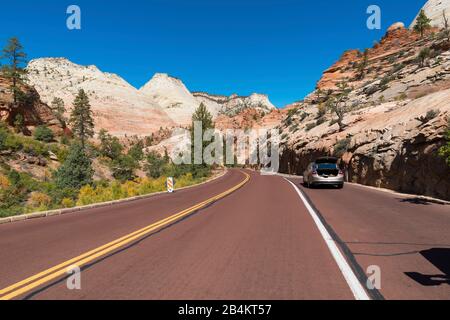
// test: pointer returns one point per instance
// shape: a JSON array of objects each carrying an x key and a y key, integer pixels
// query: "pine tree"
[
  {"x": 422, "y": 23},
  {"x": 81, "y": 118},
  {"x": 203, "y": 116},
  {"x": 59, "y": 110},
  {"x": 76, "y": 171},
  {"x": 13, "y": 53}
]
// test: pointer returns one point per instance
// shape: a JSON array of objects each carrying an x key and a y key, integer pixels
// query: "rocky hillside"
[
  {"x": 234, "y": 104},
  {"x": 117, "y": 106},
  {"x": 434, "y": 9},
  {"x": 32, "y": 109},
  {"x": 172, "y": 95},
  {"x": 396, "y": 115},
  {"x": 122, "y": 109}
]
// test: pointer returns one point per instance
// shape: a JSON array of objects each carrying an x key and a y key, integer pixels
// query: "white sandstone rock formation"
[
  {"x": 117, "y": 106},
  {"x": 434, "y": 10}
]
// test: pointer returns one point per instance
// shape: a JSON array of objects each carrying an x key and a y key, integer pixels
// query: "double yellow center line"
[{"x": 45, "y": 276}]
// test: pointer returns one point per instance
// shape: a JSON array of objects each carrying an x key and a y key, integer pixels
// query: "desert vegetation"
[{"x": 71, "y": 179}]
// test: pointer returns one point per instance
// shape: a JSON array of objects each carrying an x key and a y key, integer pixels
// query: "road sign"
[{"x": 170, "y": 185}]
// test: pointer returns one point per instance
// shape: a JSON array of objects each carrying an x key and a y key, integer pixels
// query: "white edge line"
[{"x": 355, "y": 286}]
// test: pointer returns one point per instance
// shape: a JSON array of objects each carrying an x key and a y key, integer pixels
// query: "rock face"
[
  {"x": 117, "y": 106},
  {"x": 397, "y": 115},
  {"x": 434, "y": 10},
  {"x": 179, "y": 103},
  {"x": 397, "y": 40},
  {"x": 250, "y": 119},
  {"x": 122, "y": 109},
  {"x": 34, "y": 111},
  {"x": 172, "y": 95}
]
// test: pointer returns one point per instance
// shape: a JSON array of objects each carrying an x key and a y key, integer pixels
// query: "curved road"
[{"x": 258, "y": 241}]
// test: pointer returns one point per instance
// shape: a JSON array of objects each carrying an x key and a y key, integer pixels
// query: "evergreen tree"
[
  {"x": 76, "y": 171},
  {"x": 81, "y": 118},
  {"x": 14, "y": 71},
  {"x": 136, "y": 151},
  {"x": 203, "y": 116},
  {"x": 422, "y": 23},
  {"x": 109, "y": 146},
  {"x": 59, "y": 110}
]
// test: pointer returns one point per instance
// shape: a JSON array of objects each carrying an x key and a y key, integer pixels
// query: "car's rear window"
[{"x": 327, "y": 166}]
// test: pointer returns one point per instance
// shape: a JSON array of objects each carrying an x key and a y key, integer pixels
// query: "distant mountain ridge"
[{"x": 122, "y": 109}]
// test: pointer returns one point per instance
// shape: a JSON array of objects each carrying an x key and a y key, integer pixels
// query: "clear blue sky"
[{"x": 277, "y": 47}]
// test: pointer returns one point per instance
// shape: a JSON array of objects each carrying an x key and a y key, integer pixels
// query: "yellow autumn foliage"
[
  {"x": 141, "y": 186},
  {"x": 4, "y": 182},
  {"x": 39, "y": 201}
]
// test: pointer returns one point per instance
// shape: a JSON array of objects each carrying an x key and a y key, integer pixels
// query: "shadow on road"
[
  {"x": 321, "y": 186},
  {"x": 421, "y": 201},
  {"x": 440, "y": 258}
]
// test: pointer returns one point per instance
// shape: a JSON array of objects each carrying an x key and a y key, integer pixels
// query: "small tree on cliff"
[
  {"x": 338, "y": 103},
  {"x": 14, "y": 71},
  {"x": 81, "y": 118},
  {"x": 446, "y": 26},
  {"x": 59, "y": 110},
  {"x": 422, "y": 23},
  {"x": 424, "y": 54},
  {"x": 363, "y": 65}
]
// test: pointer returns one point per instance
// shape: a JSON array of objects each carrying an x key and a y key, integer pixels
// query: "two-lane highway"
[{"x": 242, "y": 236}]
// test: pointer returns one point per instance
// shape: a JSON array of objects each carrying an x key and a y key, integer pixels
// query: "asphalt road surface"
[{"x": 242, "y": 236}]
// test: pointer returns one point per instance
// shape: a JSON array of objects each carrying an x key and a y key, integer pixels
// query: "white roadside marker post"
[{"x": 170, "y": 187}]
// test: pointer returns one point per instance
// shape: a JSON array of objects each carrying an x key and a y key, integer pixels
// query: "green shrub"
[
  {"x": 43, "y": 133},
  {"x": 154, "y": 165},
  {"x": 136, "y": 151},
  {"x": 341, "y": 147},
  {"x": 4, "y": 132},
  {"x": 310, "y": 126},
  {"x": 303, "y": 116},
  {"x": 320, "y": 121},
  {"x": 444, "y": 151},
  {"x": 110, "y": 146},
  {"x": 123, "y": 168}
]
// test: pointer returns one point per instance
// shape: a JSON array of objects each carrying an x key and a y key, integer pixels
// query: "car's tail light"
[{"x": 341, "y": 173}]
